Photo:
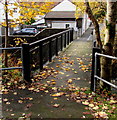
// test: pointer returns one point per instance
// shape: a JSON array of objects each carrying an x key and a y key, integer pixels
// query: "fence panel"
[{"x": 42, "y": 51}]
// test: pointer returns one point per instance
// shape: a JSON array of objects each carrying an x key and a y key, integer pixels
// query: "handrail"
[
  {"x": 11, "y": 68},
  {"x": 105, "y": 81},
  {"x": 95, "y": 68},
  {"x": 10, "y": 48},
  {"x": 44, "y": 39},
  {"x": 108, "y": 56}
]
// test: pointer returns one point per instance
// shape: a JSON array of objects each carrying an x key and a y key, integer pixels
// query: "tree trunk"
[
  {"x": 106, "y": 63},
  {"x": 95, "y": 23},
  {"x": 6, "y": 33}
]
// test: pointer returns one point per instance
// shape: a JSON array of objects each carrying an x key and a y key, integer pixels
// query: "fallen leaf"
[
  {"x": 85, "y": 103},
  {"x": 69, "y": 81},
  {"x": 8, "y": 103},
  {"x": 58, "y": 94},
  {"x": 96, "y": 108},
  {"x": 15, "y": 93},
  {"x": 86, "y": 113},
  {"x": 31, "y": 88},
  {"x": 30, "y": 98},
  {"x": 20, "y": 101},
  {"x": 56, "y": 105},
  {"x": 5, "y": 99},
  {"x": 62, "y": 73},
  {"x": 91, "y": 105},
  {"x": 12, "y": 114},
  {"x": 46, "y": 91},
  {"x": 53, "y": 83},
  {"x": 55, "y": 98}
]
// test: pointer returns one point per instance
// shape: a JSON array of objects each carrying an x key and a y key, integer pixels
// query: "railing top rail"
[
  {"x": 11, "y": 68},
  {"x": 105, "y": 81},
  {"x": 10, "y": 48},
  {"x": 44, "y": 39},
  {"x": 112, "y": 57}
]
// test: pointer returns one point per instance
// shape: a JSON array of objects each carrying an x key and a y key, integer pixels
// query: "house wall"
[
  {"x": 62, "y": 24},
  {"x": 85, "y": 23}
]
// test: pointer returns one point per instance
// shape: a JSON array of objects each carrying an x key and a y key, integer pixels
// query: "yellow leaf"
[
  {"x": 69, "y": 81},
  {"x": 91, "y": 105},
  {"x": 56, "y": 105},
  {"x": 20, "y": 101},
  {"x": 58, "y": 94},
  {"x": 85, "y": 103}
]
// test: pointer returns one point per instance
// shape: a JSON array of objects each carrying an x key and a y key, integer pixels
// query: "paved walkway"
[{"x": 73, "y": 66}]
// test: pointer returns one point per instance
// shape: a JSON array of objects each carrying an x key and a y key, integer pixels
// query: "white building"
[{"x": 63, "y": 15}]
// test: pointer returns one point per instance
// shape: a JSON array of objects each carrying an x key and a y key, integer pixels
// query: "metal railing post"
[
  {"x": 68, "y": 38},
  {"x": 71, "y": 35},
  {"x": 41, "y": 56},
  {"x": 61, "y": 42},
  {"x": 65, "y": 40},
  {"x": 26, "y": 61},
  {"x": 50, "y": 51},
  {"x": 93, "y": 66},
  {"x": 56, "y": 46}
]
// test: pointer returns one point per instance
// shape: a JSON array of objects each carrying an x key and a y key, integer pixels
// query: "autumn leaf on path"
[
  {"x": 58, "y": 94},
  {"x": 56, "y": 105},
  {"x": 86, "y": 113},
  {"x": 69, "y": 81}
]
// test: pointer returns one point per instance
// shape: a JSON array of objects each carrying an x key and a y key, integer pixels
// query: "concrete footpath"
[{"x": 73, "y": 65}]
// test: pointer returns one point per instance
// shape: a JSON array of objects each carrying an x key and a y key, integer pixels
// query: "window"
[{"x": 67, "y": 25}]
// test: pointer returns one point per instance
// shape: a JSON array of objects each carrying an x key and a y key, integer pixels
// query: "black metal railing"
[{"x": 36, "y": 54}]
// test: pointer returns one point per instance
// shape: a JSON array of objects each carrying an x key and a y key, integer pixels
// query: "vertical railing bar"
[
  {"x": 50, "y": 51},
  {"x": 56, "y": 46},
  {"x": 68, "y": 37},
  {"x": 41, "y": 56},
  {"x": 22, "y": 60},
  {"x": 26, "y": 62},
  {"x": 95, "y": 68},
  {"x": 61, "y": 42},
  {"x": 65, "y": 41}
]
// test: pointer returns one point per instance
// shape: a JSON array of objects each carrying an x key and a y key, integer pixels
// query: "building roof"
[
  {"x": 60, "y": 14},
  {"x": 42, "y": 21},
  {"x": 65, "y": 5}
]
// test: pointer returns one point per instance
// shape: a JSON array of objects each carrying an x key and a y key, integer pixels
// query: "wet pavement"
[{"x": 73, "y": 66}]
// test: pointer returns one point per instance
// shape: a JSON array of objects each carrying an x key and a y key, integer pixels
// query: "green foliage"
[{"x": 32, "y": 20}]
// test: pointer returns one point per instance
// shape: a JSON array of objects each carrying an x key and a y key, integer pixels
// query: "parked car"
[{"x": 26, "y": 31}]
